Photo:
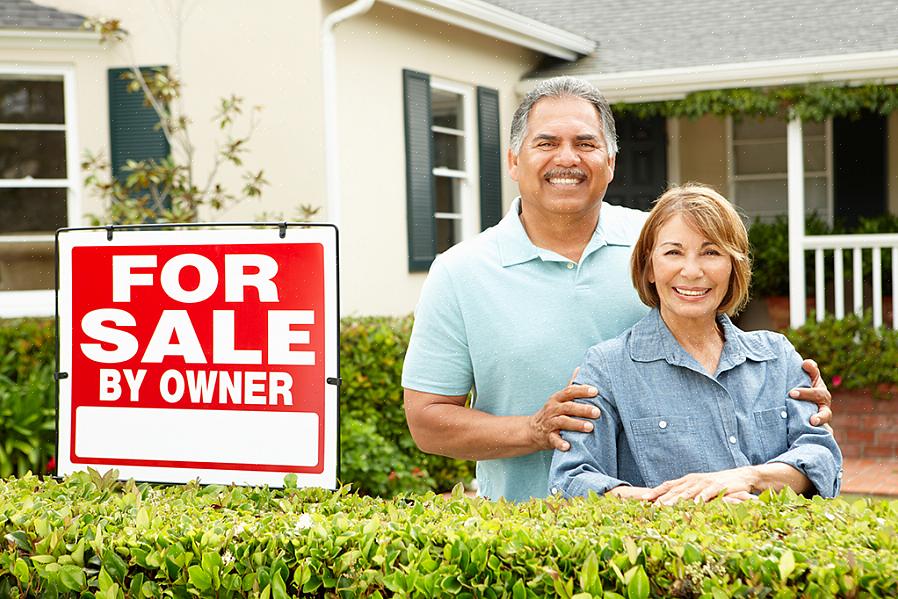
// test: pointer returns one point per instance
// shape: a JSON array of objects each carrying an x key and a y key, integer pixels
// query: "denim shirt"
[{"x": 664, "y": 417}]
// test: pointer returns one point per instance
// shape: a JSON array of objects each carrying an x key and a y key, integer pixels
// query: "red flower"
[
  {"x": 837, "y": 381},
  {"x": 51, "y": 465}
]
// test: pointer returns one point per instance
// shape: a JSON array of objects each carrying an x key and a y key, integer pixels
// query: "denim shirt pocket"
[
  {"x": 771, "y": 431},
  {"x": 668, "y": 447}
]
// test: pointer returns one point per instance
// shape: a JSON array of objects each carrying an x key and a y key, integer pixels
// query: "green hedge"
[
  {"x": 377, "y": 454},
  {"x": 851, "y": 353},
  {"x": 91, "y": 537}
]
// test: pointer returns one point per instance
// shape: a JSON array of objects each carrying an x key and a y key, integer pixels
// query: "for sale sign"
[{"x": 208, "y": 354}]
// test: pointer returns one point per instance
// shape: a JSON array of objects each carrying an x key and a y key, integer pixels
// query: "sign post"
[{"x": 207, "y": 354}]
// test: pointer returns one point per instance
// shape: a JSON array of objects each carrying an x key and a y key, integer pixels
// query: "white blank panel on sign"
[{"x": 204, "y": 435}]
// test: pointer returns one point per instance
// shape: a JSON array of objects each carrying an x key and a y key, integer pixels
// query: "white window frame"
[
  {"x": 827, "y": 174},
  {"x": 468, "y": 213},
  {"x": 42, "y": 302}
]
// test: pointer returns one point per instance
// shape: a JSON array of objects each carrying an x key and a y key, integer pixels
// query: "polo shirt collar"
[
  {"x": 515, "y": 246},
  {"x": 651, "y": 340}
]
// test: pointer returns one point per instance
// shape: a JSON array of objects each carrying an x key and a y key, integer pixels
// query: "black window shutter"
[
  {"x": 133, "y": 131},
  {"x": 490, "y": 157},
  {"x": 419, "y": 170}
]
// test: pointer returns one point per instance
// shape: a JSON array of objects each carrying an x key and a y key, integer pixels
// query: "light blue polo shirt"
[{"x": 512, "y": 320}]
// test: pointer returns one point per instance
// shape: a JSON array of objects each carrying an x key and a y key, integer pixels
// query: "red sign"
[{"x": 205, "y": 359}]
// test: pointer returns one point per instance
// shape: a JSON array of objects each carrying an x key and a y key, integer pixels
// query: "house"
[{"x": 392, "y": 115}]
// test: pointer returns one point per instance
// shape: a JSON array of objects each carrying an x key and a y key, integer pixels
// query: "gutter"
[{"x": 329, "y": 81}]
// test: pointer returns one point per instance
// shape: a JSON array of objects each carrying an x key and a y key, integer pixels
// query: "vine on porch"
[{"x": 810, "y": 102}]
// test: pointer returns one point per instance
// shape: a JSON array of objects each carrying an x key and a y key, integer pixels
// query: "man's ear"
[
  {"x": 612, "y": 162},
  {"x": 512, "y": 165}
]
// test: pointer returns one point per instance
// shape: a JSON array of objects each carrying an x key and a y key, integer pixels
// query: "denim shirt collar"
[
  {"x": 515, "y": 246},
  {"x": 651, "y": 340}
]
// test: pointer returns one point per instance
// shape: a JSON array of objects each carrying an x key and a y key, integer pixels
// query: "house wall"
[
  {"x": 703, "y": 152},
  {"x": 372, "y": 51},
  {"x": 272, "y": 58}
]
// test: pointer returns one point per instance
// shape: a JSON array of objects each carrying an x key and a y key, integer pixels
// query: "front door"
[{"x": 640, "y": 175}]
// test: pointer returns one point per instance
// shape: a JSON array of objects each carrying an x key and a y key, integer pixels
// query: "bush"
[
  {"x": 377, "y": 454},
  {"x": 91, "y": 537},
  {"x": 850, "y": 352},
  {"x": 770, "y": 251}
]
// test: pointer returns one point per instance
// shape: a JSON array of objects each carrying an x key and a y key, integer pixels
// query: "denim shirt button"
[
  {"x": 732, "y": 439},
  {"x": 662, "y": 424},
  {"x": 783, "y": 414},
  {"x": 570, "y": 265}
]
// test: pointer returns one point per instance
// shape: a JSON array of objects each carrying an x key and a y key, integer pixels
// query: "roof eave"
[
  {"x": 48, "y": 38},
  {"x": 671, "y": 84},
  {"x": 491, "y": 20}
]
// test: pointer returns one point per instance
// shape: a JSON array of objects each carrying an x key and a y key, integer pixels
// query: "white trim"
[
  {"x": 32, "y": 127},
  {"x": 442, "y": 171},
  {"x": 795, "y": 165},
  {"x": 447, "y": 131},
  {"x": 73, "y": 164},
  {"x": 39, "y": 238},
  {"x": 31, "y": 183},
  {"x": 673, "y": 150},
  {"x": 49, "y": 39},
  {"x": 25, "y": 304},
  {"x": 667, "y": 84},
  {"x": 499, "y": 23}
]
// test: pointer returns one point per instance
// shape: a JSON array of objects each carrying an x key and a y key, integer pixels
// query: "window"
[
  {"x": 452, "y": 109},
  {"x": 452, "y": 159},
  {"x": 758, "y": 172},
  {"x": 39, "y": 190}
]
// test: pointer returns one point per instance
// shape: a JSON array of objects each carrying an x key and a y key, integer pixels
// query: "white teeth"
[
  {"x": 564, "y": 181},
  {"x": 690, "y": 292}
]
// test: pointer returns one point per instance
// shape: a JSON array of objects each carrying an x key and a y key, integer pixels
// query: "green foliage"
[
  {"x": 810, "y": 102},
  {"x": 850, "y": 351},
  {"x": 377, "y": 454},
  {"x": 27, "y": 396},
  {"x": 770, "y": 251},
  {"x": 75, "y": 538}
]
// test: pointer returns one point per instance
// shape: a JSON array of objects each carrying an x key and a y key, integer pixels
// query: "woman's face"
[{"x": 690, "y": 273}]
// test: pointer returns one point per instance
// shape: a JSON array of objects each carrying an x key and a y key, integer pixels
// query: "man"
[{"x": 512, "y": 310}]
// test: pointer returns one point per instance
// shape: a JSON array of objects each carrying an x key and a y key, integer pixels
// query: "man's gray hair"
[{"x": 563, "y": 87}]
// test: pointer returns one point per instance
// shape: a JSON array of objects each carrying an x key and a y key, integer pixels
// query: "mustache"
[{"x": 566, "y": 173}]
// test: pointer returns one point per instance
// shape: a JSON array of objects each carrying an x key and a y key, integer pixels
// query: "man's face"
[{"x": 563, "y": 167}]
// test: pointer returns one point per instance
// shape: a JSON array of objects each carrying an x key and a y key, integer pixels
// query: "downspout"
[{"x": 329, "y": 81}]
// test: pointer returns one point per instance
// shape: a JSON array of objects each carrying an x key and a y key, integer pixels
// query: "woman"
[{"x": 692, "y": 407}]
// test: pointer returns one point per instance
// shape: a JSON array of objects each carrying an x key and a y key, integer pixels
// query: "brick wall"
[{"x": 866, "y": 426}]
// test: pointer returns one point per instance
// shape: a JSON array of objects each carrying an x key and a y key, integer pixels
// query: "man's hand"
[
  {"x": 561, "y": 413},
  {"x": 817, "y": 393}
]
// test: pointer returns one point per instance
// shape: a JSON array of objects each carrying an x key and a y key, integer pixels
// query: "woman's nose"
[{"x": 691, "y": 268}]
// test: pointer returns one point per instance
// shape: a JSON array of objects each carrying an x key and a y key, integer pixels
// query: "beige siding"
[
  {"x": 271, "y": 56},
  {"x": 372, "y": 51},
  {"x": 703, "y": 152}
]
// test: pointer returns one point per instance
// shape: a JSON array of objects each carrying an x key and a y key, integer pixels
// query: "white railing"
[{"x": 857, "y": 245}]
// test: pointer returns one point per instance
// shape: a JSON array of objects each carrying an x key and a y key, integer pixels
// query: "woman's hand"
[
  {"x": 736, "y": 483},
  {"x": 628, "y": 492}
]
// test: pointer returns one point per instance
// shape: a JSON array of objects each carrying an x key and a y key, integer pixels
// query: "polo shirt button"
[
  {"x": 663, "y": 424},
  {"x": 554, "y": 491},
  {"x": 783, "y": 414},
  {"x": 570, "y": 265},
  {"x": 732, "y": 439}
]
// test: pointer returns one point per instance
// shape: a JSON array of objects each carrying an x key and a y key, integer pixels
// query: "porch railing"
[{"x": 857, "y": 246}]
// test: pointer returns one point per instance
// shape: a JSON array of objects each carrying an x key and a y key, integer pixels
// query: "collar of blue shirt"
[
  {"x": 515, "y": 246},
  {"x": 651, "y": 340}
]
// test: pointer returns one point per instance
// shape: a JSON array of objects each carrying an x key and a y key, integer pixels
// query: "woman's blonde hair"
[{"x": 714, "y": 217}]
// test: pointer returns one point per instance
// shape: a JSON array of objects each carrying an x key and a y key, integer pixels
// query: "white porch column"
[{"x": 795, "y": 165}]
